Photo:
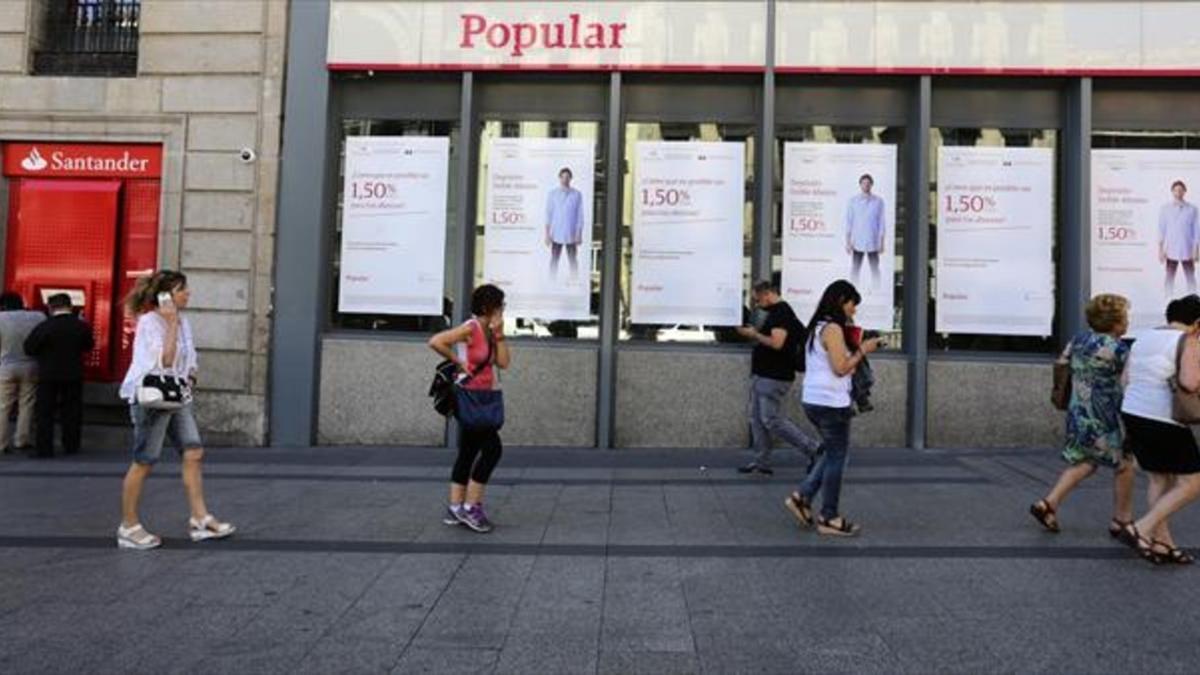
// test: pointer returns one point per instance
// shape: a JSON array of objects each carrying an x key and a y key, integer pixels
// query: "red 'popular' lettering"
[
  {"x": 520, "y": 37},
  {"x": 473, "y": 24}
]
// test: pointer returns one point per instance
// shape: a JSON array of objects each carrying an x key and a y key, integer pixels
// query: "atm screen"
[{"x": 78, "y": 298}]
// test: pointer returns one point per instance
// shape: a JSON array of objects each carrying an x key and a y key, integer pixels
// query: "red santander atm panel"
[
  {"x": 64, "y": 239},
  {"x": 83, "y": 219}
]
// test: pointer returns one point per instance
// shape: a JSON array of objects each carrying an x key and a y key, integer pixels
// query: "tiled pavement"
[{"x": 635, "y": 561}]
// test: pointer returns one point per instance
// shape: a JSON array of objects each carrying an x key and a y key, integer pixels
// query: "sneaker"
[
  {"x": 136, "y": 538},
  {"x": 451, "y": 517},
  {"x": 474, "y": 518}
]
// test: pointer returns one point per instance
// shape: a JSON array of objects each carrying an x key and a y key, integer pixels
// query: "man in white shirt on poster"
[
  {"x": 1178, "y": 239},
  {"x": 865, "y": 230},
  {"x": 564, "y": 223}
]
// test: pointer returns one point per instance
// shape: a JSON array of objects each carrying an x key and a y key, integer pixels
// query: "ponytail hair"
[{"x": 144, "y": 296}]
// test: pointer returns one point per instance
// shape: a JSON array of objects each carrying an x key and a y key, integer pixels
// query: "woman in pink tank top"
[{"x": 477, "y": 347}]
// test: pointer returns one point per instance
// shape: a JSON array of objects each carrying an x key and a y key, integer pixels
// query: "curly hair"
[
  {"x": 486, "y": 299},
  {"x": 1106, "y": 311}
]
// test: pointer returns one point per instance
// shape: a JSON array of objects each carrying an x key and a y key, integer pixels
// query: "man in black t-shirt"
[{"x": 772, "y": 368}]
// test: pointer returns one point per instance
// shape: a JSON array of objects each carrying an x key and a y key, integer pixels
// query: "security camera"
[{"x": 247, "y": 155}]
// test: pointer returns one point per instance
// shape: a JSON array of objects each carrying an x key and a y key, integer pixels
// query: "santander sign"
[
  {"x": 516, "y": 38},
  {"x": 105, "y": 160}
]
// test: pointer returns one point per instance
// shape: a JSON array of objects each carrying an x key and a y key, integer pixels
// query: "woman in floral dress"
[{"x": 1093, "y": 439}]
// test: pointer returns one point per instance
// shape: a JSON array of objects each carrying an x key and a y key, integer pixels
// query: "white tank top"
[
  {"x": 822, "y": 386},
  {"x": 1151, "y": 362}
]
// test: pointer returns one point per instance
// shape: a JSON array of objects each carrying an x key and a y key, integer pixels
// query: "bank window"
[
  {"x": 95, "y": 38},
  {"x": 685, "y": 332},
  {"x": 539, "y": 234},
  {"x": 1145, "y": 140},
  {"x": 984, "y": 203},
  {"x": 859, "y": 267},
  {"x": 395, "y": 322}
]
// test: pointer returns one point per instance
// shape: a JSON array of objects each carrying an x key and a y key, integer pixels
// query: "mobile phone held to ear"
[{"x": 164, "y": 300}]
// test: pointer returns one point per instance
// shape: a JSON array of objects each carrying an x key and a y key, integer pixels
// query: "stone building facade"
[{"x": 208, "y": 87}]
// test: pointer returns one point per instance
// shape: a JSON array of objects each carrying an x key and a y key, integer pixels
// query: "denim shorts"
[{"x": 154, "y": 428}]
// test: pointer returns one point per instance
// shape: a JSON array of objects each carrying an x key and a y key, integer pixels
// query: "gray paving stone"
[
  {"x": 447, "y": 660},
  {"x": 644, "y": 607},
  {"x": 620, "y": 662}
]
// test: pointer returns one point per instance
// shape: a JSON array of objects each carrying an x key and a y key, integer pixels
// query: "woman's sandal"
[
  {"x": 837, "y": 527},
  {"x": 800, "y": 508},
  {"x": 209, "y": 527},
  {"x": 1115, "y": 526},
  {"x": 1141, "y": 545},
  {"x": 1172, "y": 554},
  {"x": 136, "y": 538},
  {"x": 1045, "y": 515}
]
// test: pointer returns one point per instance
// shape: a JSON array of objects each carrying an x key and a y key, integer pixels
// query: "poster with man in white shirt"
[
  {"x": 538, "y": 225},
  {"x": 838, "y": 209},
  {"x": 1145, "y": 232}
]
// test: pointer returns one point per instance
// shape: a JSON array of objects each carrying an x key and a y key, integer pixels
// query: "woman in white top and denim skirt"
[
  {"x": 826, "y": 401},
  {"x": 163, "y": 345},
  {"x": 1163, "y": 447}
]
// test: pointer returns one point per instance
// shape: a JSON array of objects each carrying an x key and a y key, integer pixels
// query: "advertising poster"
[
  {"x": 687, "y": 233},
  {"x": 995, "y": 271},
  {"x": 538, "y": 225},
  {"x": 1145, "y": 233},
  {"x": 839, "y": 214},
  {"x": 394, "y": 225}
]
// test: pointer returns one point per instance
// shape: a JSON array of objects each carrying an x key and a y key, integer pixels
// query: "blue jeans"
[{"x": 826, "y": 477}]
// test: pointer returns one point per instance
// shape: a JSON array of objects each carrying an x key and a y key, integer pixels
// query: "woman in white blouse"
[{"x": 163, "y": 345}]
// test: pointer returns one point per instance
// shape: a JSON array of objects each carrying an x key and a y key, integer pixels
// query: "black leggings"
[{"x": 478, "y": 454}]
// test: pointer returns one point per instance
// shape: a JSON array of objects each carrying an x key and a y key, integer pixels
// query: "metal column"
[
  {"x": 916, "y": 261},
  {"x": 464, "y": 174},
  {"x": 1075, "y": 244},
  {"x": 764, "y": 222},
  {"x": 606, "y": 400},
  {"x": 301, "y": 263}
]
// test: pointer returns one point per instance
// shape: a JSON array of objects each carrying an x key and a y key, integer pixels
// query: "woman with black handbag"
[
  {"x": 158, "y": 388},
  {"x": 476, "y": 348}
]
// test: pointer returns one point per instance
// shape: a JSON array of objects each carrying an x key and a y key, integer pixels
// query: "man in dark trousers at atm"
[{"x": 59, "y": 344}]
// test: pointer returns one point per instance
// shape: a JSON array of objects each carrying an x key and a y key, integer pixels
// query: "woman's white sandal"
[
  {"x": 209, "y": 527},
  {"x": 136, "y": 538}
]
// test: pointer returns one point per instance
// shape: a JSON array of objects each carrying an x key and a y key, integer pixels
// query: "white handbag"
[{"x": 167, "y": 391}]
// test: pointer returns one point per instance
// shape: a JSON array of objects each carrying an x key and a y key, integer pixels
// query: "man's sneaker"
[
  {"x": 755, "y": 467},
  {"x": 474, "y": 518},
  {"x": 451, "y": 517},
  {"x": 136, "y": 538}
]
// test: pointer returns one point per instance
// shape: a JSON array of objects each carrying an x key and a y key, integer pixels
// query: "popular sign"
[
  {"x": 381, "y": 35},
  {"x": 59, "y": 160}
]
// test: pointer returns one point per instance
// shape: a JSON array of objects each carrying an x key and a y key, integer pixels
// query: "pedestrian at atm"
[
  {"x": 164, "y": 349},
  {"x": 59, "y": 345},
  {"x": 18, "y": 371}
]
